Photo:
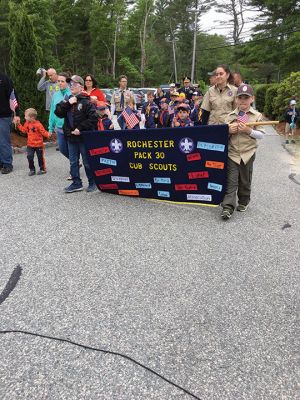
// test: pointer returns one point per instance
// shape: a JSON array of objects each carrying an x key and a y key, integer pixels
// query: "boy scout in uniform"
[{"x": 241, "y": 151}]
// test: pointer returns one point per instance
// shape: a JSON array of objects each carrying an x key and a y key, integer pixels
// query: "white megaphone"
[{"x": 40, "y": 71}]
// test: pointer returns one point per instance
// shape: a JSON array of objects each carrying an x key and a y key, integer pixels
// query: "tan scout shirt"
[
  {"x": 242, "y": 146},
  {"x": 116, "y": 98},
  {"x": 219, "y": 103}
]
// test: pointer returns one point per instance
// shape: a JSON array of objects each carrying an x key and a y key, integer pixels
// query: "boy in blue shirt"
[
  {"x": 290, "y": 116},
  {"x": 150, "y": 110}
]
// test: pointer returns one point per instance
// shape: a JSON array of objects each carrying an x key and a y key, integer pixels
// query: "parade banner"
[{"x": 186, "y": 165}]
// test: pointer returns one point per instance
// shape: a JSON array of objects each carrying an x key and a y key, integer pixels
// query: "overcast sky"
[{"x": 208, "y": 23}]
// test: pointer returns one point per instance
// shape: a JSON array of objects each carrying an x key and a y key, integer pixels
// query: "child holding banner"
[{"x": 241, "y": 151}]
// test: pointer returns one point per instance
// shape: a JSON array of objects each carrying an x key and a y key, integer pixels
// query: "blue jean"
[
  {"x": 62, "y": 142},
  {"x": 75, "y": 149},
  {"x": 6, "y": 157}
]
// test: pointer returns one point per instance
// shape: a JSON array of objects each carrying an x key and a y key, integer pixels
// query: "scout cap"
[
  {"x": 101, "y": 105},
  {"x": 172, "y": 84},
  {"x": 293, "y": 102},
  {"x": 183, "y": 106},
  {"x": 182, "y": 95},
  {"x": 175, "y": 94},
  {"x": 245, "y": 89},
  {"x": 77, "y": 79}
]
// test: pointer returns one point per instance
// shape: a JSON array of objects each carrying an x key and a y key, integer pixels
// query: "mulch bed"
[{"x": 20, "y": 141}]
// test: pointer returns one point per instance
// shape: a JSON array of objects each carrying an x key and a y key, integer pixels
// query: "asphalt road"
[{"x": 212, "y": 306}]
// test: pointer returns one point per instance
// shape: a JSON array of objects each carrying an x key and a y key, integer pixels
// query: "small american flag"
[
  {"x": 130, "y": 117},
  {"x": 242, "y": 117},
  {"x": 13, "y": 104}
]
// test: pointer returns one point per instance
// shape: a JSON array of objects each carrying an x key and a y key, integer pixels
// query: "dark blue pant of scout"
[
  {"x": 40, "y": 156},
  {"x": 75, "y": 149}
]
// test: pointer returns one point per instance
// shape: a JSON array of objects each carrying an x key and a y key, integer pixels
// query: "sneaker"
[
  {"x": 57, "y": 149},
  {"x": 227, "y": 213},
  {"x": 6, "y": 170},
  {"x": 92, "y": 187},
  {"x": 41, "y": 172},
  {"x": 293, "y": 141},
  {"x": 69, "y": 178},
  {"x": 242, "y": 207},
  {"x": 74, "y": 187},
  {"x": 287, "y": 142},
  {"x": 31, "y": 172}
]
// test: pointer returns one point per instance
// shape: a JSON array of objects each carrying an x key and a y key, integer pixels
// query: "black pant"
[{"x": 40, "y": 155}]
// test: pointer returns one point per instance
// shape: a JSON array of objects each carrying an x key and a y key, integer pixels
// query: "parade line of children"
[{"x": 78, "y": 114}]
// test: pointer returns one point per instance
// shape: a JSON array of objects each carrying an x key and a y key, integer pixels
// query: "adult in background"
[
  {"x": 91, "y": 88},
  {"x": 79, "y": 115},
  {"x": 219, "y": 100},
  {"x": 237, "y": 79},
  {"x": 187, "y": 88},
  {"x": 6, "y": 94},
  {"x": 56, "y": 123},
  {"x": 121, "y": 98},
  {"x": 50, "y": 86}
]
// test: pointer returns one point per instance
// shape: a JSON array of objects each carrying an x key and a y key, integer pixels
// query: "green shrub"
[
  {"x": 260, "y": 96},
  {"x": 288, "y": 89},
  {"x": 271, "y": 93}
]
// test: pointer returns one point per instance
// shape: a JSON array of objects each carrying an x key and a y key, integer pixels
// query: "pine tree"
[{"x": 24, "y": 59}]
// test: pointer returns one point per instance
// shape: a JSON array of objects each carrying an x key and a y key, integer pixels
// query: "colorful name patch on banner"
[{"x": 186, "y": 165}]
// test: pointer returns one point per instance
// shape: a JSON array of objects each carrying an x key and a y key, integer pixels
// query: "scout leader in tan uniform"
[
  {"x": 241, "y": 151},
  {"x": 121, "y": 97},
  {"x": 219, "y": 100}
]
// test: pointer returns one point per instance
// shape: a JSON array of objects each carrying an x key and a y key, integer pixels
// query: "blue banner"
[{"x": 186, "y": 165}]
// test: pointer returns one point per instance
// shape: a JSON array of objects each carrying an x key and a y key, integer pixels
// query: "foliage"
[
  {"x": 260, "y": 96},
  {"x": 24, "y": 59},
  {"x": 271, "y": 93},
  {"x": 287, "y": 90},
  {"x": 141, "y": 39}
]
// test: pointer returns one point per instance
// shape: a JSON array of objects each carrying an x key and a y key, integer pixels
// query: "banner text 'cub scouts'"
[{"x": 177, "y": 165}]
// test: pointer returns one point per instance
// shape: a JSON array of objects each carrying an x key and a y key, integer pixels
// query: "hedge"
[
  {"x": 260, "y": 95},
  {"x": 271, "y": 93},
  {"x": 288, "y": 89}
]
